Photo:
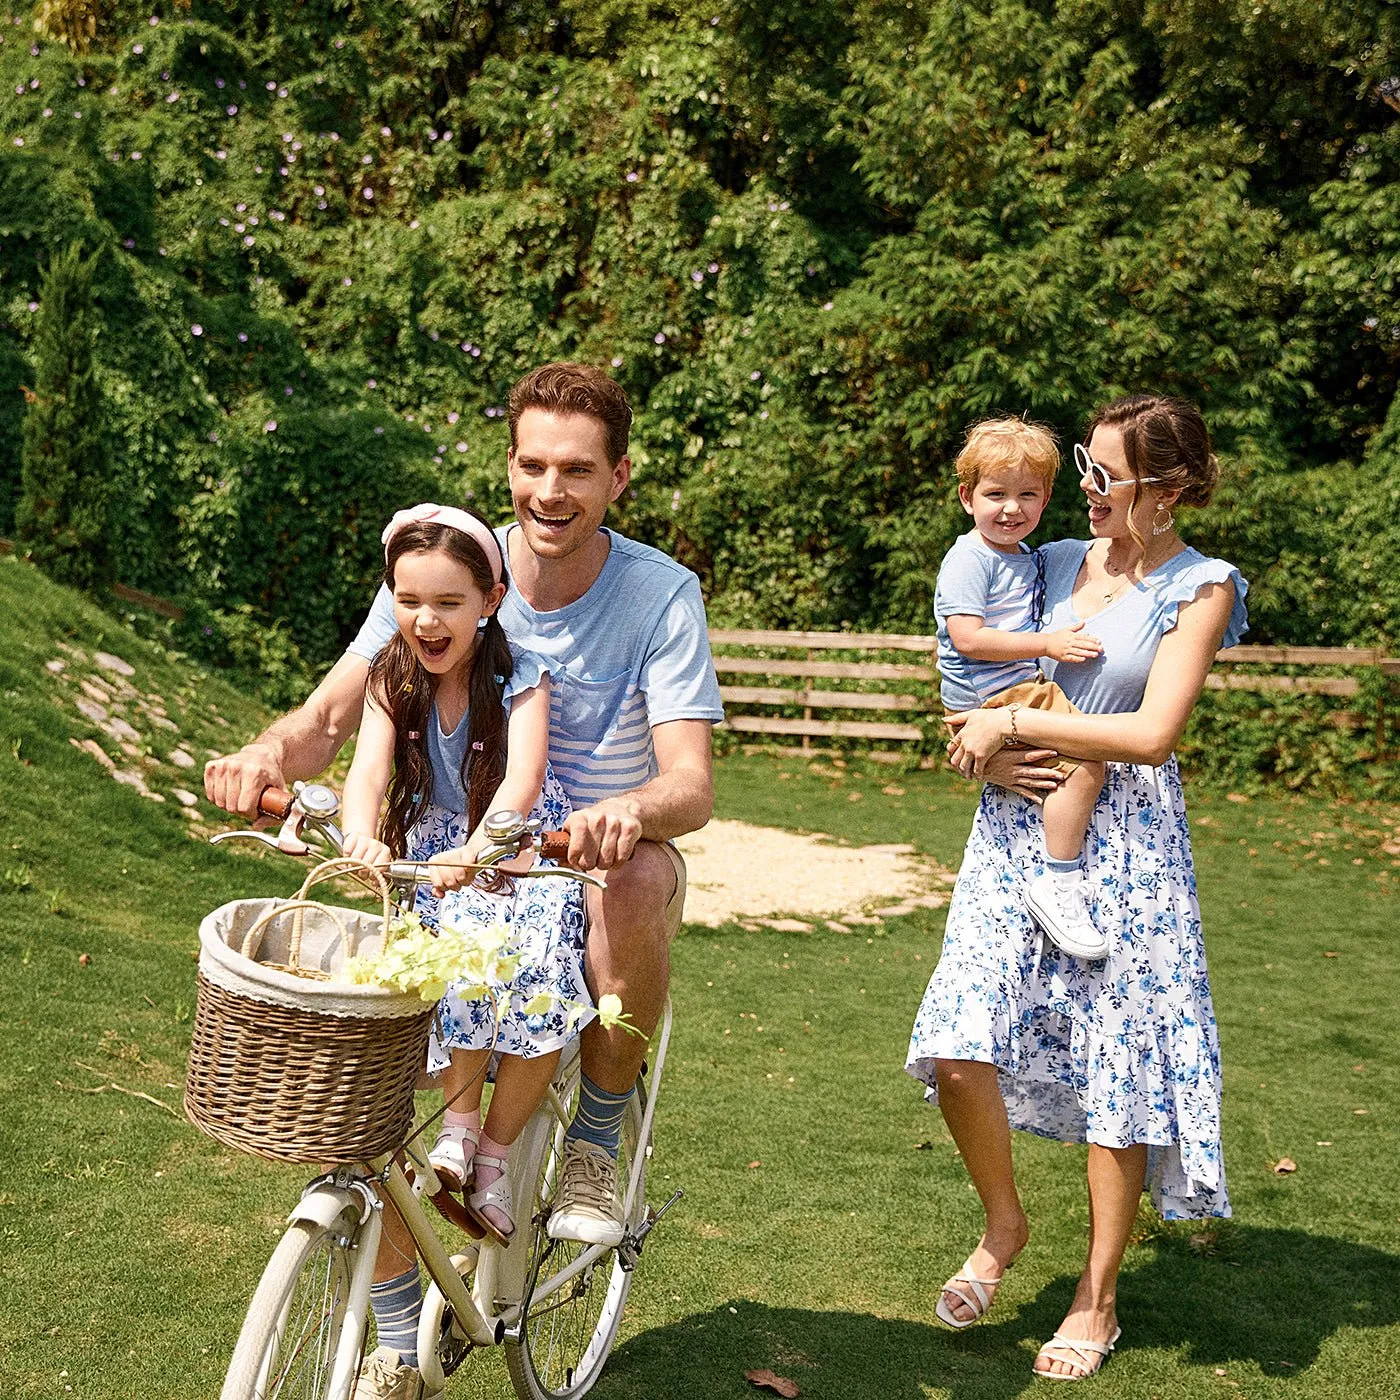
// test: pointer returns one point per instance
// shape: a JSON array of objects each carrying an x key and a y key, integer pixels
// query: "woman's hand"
[
  {"x": 1019, "y": 771},
  {"x": 1072, "y": 644},
  {"x": 359, "y": 845},
  {"x": 977, "y": 735}
]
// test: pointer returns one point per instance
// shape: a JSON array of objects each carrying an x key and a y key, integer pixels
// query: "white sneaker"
[
  {"x": 586, "y": 1207},
  {"x": 1059, "y": 907},
  {"x": 383, "y": 1376}
]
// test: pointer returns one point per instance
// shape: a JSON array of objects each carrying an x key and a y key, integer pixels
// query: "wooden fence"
[
  {"x": 856, "y": 711},
  {"x": 887, "y": 700}
]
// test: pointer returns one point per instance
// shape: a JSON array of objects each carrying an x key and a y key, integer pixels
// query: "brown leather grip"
[
  {"x": 275, "y": 802},
  {"x": 553, "y": 845}
]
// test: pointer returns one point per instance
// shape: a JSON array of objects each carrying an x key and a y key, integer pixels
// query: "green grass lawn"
[{"x": 824, "y": 1202}]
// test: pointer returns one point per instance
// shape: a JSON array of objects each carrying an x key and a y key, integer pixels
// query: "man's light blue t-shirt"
[
  {"x": 976, "y": 580},
  {"x": 632, "y": 653}
]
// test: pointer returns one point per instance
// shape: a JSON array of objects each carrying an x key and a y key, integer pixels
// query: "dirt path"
[{"x": 760, "y": 875}]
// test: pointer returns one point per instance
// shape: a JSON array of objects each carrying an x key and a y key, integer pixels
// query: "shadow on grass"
[{"x": 1270, "y": 1298}]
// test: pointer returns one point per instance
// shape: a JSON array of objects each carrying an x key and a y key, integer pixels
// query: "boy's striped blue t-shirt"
[
  {"x": 632, "y": 653},
  {"x": 976, "y": 580}
]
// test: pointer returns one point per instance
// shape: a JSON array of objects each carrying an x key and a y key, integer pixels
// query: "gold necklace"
[{"x": 1112, "y": 593}]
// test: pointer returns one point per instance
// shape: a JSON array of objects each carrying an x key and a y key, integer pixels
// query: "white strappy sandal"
[
  {"x": 496, "y": 1195},
  {"x": 978, "y": 1299},
  {"x": 451, "y": 1159},
  {"x": 1088, "y": 1356}
]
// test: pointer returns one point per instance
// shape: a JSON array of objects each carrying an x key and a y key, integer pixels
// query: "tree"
[{"x": 63, "y": 512}]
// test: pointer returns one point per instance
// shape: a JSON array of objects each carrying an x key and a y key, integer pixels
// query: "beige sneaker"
[
  {"x": 586, "y": 1207},
  {"x": 385, "y": 1377}
]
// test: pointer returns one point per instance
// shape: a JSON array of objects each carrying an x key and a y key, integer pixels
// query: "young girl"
[{"x": 456, "y": 725}]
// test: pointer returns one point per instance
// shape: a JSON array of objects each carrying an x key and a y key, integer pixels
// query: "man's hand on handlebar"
[
  {"x": 236, "y": 780},
  {"x": 604, "y": 835}
]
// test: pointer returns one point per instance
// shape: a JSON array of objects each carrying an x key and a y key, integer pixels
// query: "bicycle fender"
[{"x": 325, "y": 1205}]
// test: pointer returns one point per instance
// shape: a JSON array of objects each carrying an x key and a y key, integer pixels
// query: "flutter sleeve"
[
  {"x": 530, "y": 669},
  {"x": 1189, "y": 582}
]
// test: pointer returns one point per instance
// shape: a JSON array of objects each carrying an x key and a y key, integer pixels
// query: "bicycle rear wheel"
[
  {"x": 566, "y": 1337},
  {"x": 287, "y": 1347}
]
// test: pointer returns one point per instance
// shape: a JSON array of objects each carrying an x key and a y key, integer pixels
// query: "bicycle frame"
[{"x": 494, "y": 1305}]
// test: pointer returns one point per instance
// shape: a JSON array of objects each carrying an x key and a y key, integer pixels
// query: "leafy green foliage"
[
  {"x": 814, "y": 241},
  {"x": 62, "y": 517}
]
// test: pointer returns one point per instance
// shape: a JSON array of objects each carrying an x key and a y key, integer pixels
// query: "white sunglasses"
[{"x": 1098, "y": 477}]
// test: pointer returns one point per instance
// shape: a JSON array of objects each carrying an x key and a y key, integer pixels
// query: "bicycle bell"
[{"x": 317, "y": 801}]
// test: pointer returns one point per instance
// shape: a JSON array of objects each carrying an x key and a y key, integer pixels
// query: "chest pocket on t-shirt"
[{"x": 584, "y": 710}]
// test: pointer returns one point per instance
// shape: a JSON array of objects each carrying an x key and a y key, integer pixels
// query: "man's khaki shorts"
[
  {"x": 676, "y": 905},
  {"x": 1038, "y": 695}
]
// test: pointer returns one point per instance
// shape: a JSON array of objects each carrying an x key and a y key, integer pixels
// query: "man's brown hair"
[{"x": 564, "y": 387}]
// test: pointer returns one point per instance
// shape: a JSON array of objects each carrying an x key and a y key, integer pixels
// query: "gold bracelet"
[{"x": 1013, "y": 737}]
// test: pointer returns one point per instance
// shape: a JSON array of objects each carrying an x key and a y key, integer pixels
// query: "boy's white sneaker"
[{"x": 1058, "y": 905}]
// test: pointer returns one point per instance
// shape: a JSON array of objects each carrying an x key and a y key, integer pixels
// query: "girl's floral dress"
[
  {"x": 546, "y": 921},
  {"x": 1121, "y": 1050}
]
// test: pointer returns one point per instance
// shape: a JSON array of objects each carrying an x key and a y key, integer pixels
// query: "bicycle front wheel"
[
  {"x": 287, "y": 1348},
  {"x": 567, "y": 1334}
]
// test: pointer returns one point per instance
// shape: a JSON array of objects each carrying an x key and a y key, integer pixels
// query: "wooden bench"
[{"x": 909, "y": 689}]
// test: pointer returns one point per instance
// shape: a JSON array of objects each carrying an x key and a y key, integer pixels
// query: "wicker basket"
[{"x": 286, "y": 1063}]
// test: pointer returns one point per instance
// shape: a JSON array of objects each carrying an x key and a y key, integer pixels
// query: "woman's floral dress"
[{"x": 1121, "y": 1050}]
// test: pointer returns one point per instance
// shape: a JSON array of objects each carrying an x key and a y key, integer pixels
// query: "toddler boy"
[{"x": 988, "y": 602}]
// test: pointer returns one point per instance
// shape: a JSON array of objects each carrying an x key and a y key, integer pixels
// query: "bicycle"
[{"x": 555, "y": 1305}]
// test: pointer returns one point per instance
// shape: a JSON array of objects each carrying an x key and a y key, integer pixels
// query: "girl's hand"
[
  {"x": 361, "y": 846},
  {"x": 977, "y": 735},
  {"x": 448, "y": 872},
  {"x": 1071, "y": 644}
]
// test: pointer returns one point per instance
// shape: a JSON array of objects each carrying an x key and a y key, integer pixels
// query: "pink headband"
[{"x": 430, "y": 514}]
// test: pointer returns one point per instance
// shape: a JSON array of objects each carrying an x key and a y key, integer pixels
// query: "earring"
[
  {"x": 1161, "y": 527},
  {"x": 481, "y": 624}
]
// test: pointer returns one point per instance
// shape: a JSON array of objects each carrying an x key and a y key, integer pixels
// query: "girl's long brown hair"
[{"x": 403, "y": 688}]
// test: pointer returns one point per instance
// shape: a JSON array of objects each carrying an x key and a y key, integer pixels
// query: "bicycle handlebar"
[
  {"x": 278, "y": 803},
  {"x": 275, "y": 802}
]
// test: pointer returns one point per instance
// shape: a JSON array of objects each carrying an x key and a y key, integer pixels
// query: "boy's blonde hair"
[{"x": 1007, "y": 442}]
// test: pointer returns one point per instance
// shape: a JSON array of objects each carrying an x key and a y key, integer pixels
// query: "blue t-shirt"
[
  {"x": 446, "y": 751},
  {"x": 976, "y": 580},
  {"x": 632, "y": 653},
  {"x": 1130, "y": 627}
]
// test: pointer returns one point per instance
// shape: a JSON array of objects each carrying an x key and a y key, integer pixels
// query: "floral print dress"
[
  {"x": 1124, "y": 1049},
  {"x": 546, "y": 919}
]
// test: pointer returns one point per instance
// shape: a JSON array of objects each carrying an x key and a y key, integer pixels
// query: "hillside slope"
[{"x": 101, "y": 893}]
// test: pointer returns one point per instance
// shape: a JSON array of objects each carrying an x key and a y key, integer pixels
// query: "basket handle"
[
  {"x": 301, "y": 902},
  {"x": 348, "y": 865},
  {"x": 297, "y": 908}
]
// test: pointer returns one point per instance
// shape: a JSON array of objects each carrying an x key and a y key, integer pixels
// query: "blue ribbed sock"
[
  {"x": 598, "y": 1118},
  {"x": 397, "y": 1303},
  {"x": 1062, "y": 867}
]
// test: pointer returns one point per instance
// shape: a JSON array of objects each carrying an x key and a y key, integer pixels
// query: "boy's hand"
[
  {"x": 1071, "y": 644},
  {"x": 363, "y": 847}
]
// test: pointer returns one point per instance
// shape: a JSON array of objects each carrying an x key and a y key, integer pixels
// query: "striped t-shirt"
[
  {"x": 976, "y": 580},
  {"x": 632, "y": 653}
]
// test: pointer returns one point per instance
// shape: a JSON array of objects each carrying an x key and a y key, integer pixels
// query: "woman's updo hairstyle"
[{"x": 1165, "y": 438}]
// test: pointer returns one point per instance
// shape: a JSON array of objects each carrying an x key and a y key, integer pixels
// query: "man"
[{"x": 631, "y": 710}]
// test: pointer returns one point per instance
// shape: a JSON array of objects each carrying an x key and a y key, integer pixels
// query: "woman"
[{"x": 1120, "y": 1052}]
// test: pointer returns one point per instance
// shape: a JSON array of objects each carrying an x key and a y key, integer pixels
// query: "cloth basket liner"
[{"x": 323, "y": 949}]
